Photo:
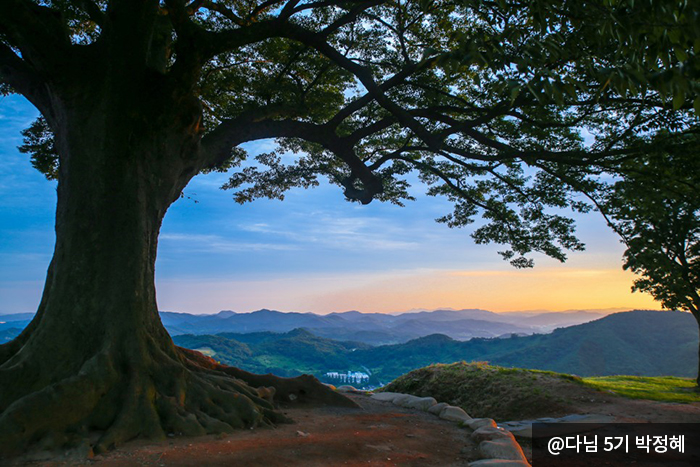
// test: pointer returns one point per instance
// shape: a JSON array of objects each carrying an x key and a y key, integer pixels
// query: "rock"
[
  {"x": 499, "y": 463},
  {"x": 329, "y": 386},
  {"x": 476, "y": 423},
  {"x": 437, "y": 408},
  {"x": 490, "y": 433},
  {"x": 385, "y": 396},
  {"x": 454, "y": 414},
  {"x": 347, "y": 388},
  {"x": 403, "y": 399},
  {"x": 420, "y": 403},
  {"x": 504, "y": 448},
  {"x": 522, "y": 431},
  {"x": 302, "y": 434},
  {"x": 587, "y": 418}
]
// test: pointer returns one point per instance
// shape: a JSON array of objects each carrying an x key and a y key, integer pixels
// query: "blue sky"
[{"x": 312, "y": 252}]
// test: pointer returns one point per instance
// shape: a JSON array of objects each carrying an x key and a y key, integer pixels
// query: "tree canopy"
[
  {"x": 656, "y": 210},
  {"x": 486, "y": 100}
]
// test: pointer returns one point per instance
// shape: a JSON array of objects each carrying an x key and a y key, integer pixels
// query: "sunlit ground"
[{"x": 657, "y": 388}]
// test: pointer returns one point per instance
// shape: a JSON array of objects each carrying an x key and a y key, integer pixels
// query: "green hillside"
[
  {"x": 642, "y": 343},
  {"x": 657, "y": 388},
  {"x": 516, "y": 394},
  {"x": 225, "y": 350},
  {"x": 648, "y": 343},
  {"x": 284, "y": 354}
]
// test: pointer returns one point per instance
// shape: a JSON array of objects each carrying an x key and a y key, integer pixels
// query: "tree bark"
[
  {"x": 96, "y": 358},
  {"x": 695, "y": 310}
]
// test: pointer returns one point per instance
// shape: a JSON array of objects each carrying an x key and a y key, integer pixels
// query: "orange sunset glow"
[{"x": 553, "y": 289}]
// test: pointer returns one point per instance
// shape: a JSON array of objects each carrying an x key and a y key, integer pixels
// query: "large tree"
[{"x": 486, "y": 101}]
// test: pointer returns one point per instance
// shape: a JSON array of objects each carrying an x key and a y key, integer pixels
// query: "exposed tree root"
[
  {"x": 304, "y": 389},
  {"x": 122, "y": 393}
]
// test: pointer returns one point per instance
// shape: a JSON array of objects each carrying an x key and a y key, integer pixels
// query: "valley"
[{"x": 639, "y": 343}]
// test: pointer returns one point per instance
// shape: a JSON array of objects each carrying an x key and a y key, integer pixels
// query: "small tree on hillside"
[{"x": 655, "y": 208}]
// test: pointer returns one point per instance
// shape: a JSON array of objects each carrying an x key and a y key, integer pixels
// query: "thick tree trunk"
[
  {"x": 96, "y": 362},
  {"x": 696, "y": 313}
]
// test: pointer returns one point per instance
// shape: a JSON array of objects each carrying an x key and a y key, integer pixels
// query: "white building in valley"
[{"x": 356, "y": 377}]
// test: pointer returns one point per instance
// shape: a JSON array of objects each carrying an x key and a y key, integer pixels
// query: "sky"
[{"x": 314, "y": 251}]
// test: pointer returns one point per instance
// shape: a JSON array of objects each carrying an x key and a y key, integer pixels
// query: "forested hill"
[
  {"x": 648, "y": 343},
  {"x": 634, "y": 343},
  {"x": 287, "y": 354}
]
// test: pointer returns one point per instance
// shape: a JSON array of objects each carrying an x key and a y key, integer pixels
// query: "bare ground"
[
  {"x": 585, "y": 400},
  {"x": 377, "y": 434}
]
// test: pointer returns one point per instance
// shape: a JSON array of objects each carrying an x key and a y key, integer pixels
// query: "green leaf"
[
  {"x": 681, "y": 54},
  {"x": 514, "y": 93},
  {"x": 678, "y": 100},
  {"x": 570, "y": 90}
]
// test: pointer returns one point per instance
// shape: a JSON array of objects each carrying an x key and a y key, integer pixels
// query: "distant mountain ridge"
[
  {"x": 370, "y": 328},
  {"x": 377, "y": 328}
]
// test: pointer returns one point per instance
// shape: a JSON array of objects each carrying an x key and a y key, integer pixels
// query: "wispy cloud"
[
  {"x": 536, "y": 272},
  {"x": 321, "y": 230},
  {"x": 217, "y": 244}
]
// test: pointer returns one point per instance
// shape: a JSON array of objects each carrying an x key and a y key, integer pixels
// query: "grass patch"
[
  {"x": 503, "y": 394},
  {"x": 484, "y": 390},
  {"x": 656, "y": 388}
]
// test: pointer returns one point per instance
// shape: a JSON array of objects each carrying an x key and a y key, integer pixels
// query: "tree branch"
[
  {"x": 213, "y": 43},
  {"x": 350, "y": 16},
  {"x": 255, "y": 125},
  {"x": 365, "y": 76},
  {"x": 22, "y": 77},
  {"x": 223, "y": 11},
  {"x": 94, "y": 12},
  {"x": 262, "y": 7},
  {"x": 38, "y": 32}
]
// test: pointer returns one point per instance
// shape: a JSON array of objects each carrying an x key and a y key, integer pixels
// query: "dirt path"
[
  {"x": 378, "y": 434},
  {"x": 638, "y": 410}
]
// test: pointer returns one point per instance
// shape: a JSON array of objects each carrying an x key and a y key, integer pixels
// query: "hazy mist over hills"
[
  {"x": 370, "y": 328},
  {"x": 380, "y": 328}
]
